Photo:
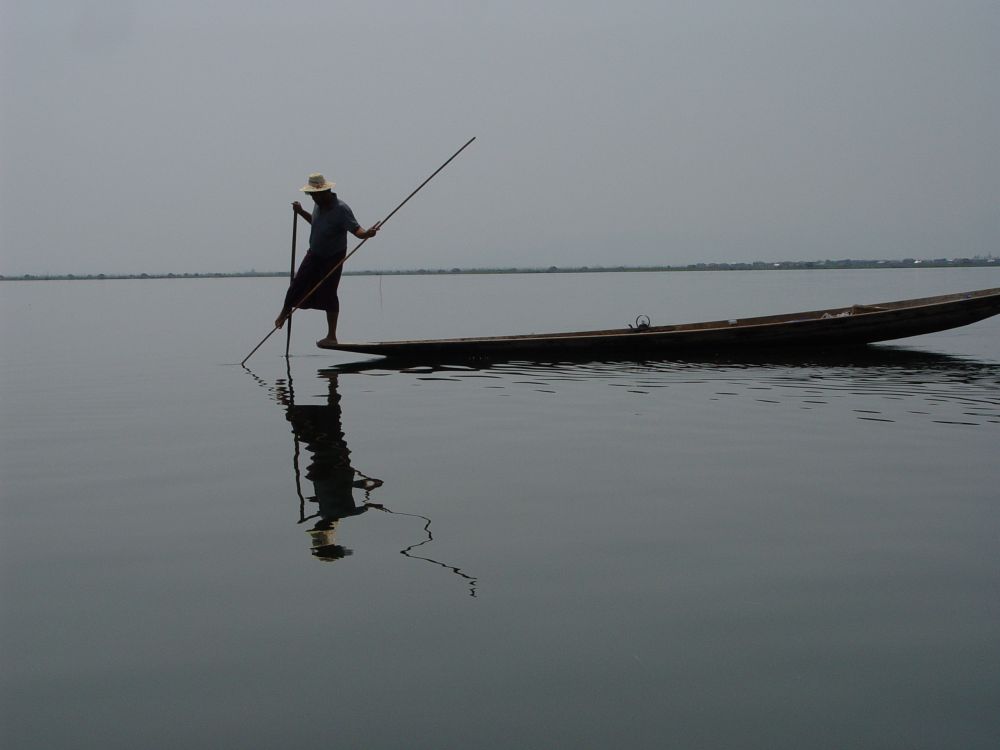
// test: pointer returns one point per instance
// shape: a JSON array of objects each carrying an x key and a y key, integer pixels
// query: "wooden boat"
[{"x": 835, "y": 327}]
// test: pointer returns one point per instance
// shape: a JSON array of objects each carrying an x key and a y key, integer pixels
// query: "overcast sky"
[{"x": 172, "y": 136}]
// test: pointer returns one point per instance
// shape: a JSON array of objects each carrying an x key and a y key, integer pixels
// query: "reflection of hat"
[
  {"x": 330, "y": 552},
  {"x": 323, "y": 545},
  {"x": 317, "y": 183}
]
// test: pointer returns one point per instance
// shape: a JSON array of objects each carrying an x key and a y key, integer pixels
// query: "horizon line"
[{"x": 975, "y": 261}]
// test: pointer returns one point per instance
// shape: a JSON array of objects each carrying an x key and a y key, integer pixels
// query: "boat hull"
[{"x": 835, "y": 327}]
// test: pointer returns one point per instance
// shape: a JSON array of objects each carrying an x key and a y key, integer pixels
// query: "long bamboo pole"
[
  {"x": 378, "y": 225},
  {"x": 291, "y": 276}
]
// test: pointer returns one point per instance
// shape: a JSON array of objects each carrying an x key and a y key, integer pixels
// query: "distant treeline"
[{"x": 755, "y": 266}]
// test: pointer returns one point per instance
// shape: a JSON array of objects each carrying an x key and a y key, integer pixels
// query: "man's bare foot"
[{"x": 328, "y": 343}]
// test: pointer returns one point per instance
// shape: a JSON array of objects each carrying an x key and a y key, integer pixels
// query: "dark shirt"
[{"x": 330, "y": 225}]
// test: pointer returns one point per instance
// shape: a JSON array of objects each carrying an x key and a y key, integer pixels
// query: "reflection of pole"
[
  {"x": 298, "y": 446},
  {"x": 298, "y": 481},
  {"x": 291, "y": 277},
  {"x": 430, "y": 538}
]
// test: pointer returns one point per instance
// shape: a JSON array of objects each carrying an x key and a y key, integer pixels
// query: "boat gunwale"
[{"x": 833, "y": 314}]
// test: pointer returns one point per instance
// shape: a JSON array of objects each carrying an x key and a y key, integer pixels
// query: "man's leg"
[
  {"x": 331, "y": 326},
  {"x": 332, "y": 304}
]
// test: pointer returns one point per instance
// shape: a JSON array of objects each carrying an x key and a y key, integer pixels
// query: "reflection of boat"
[
  {"x": 889, "y": 357},
  {"x": 908, "y": 372},
  {"x": 879, "y": 383},
  {"x": 835, "y": 327}
]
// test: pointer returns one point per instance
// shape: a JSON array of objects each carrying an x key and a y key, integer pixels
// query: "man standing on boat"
[{"x": 331, "y": 220}]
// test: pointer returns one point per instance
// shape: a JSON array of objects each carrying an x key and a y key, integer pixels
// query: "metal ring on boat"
[{"x": 641, "y": 323}]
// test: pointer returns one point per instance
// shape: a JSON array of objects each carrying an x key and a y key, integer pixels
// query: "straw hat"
[{"x": 317, "y": 183}]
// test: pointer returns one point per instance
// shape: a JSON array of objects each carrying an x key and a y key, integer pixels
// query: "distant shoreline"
[{"x": 820, "y": 265}]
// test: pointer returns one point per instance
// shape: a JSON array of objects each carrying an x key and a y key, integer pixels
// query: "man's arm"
[
  {"x": 364, "y": 234},
  {"x": 297, "y": 207}
]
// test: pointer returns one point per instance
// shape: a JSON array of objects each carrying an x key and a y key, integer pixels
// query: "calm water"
[{"x": 778, "y": 553}]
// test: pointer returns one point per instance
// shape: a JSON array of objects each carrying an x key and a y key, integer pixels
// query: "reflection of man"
[{"x": 319, "y": 428}]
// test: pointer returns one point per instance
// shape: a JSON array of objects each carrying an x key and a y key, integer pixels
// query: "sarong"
[{"x": 312, "y": 269}]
